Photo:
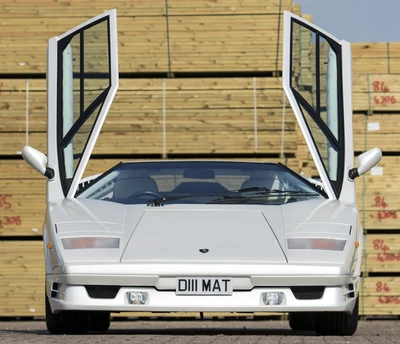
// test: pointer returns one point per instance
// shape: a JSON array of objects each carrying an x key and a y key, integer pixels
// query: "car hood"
[
  {"x": 177, "y": 233},
  {"x": 203, "y": 235}
]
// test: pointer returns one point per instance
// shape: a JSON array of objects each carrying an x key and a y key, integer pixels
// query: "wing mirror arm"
[
  {"x": 365, "y": 162},
  {"x": 37, "y": 160}
]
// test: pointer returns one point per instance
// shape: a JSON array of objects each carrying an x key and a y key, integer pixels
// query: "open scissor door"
[
  {"x": 81, "y": 82},
  {"x": 317, "y": 81}
]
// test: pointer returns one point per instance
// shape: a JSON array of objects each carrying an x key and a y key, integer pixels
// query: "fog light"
[
  {"x": 272, "y": 299},
  {"x": 137, "y": 297}
]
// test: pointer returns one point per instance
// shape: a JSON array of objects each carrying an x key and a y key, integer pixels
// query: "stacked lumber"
[
  {"x": 22, "y": 278},
  {"x": 215, "y": 115},
  {"x": 376, "y": 58},
  {"x": 142, "y": 43},
  {"x": 380, "y": 296},
  {"x": 202, "y": 115},
  {"x": 376, "y": 93},
  {"x": 222, "y": 35},
  {"x": 236, "y": 43}
]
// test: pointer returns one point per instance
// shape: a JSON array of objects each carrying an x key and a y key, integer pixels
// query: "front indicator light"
[
  {"x": 272, "y": 298},
  {"x": 316, "y": 244},
  {"x": 137, "y": 297},
  {"x": 87, "y": 242}
]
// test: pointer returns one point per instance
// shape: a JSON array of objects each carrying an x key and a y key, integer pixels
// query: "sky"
[{"x": 356, "y": 20}]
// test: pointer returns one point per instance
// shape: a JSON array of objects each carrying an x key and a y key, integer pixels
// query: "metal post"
[
  {"x": 27, "y": 112},
  {"x": 283, "y": 125},
  {"x": 255, "y": 114},
  {"x": 164, "y": 120}
]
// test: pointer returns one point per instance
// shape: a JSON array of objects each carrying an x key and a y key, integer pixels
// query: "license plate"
[{"x": 204, "y": 286}]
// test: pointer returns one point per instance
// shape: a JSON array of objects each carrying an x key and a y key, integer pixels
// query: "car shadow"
[{"x": 181, "y": 331}]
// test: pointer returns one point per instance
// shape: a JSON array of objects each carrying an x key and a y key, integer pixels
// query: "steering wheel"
[{"x": 148, "y": 193}]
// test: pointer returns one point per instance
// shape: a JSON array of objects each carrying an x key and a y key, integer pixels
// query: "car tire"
[
  {"x": 66, "y": 322},
  {"x": 337, "y": 323},
  {"x": 301, "y": 321},
  {"x": 99, "y": 321}
]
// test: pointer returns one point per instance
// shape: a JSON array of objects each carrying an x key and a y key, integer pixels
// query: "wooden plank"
[
  {"x": 138, "y": 104},
  {"x": 91, "y": 8},
  {"x": 225, "y": 7},
  {"x": 380, "y": 296},
  {"x": 179, "y": 141},
  {"x": 382, "y": 252},
  {"x": 195, "y": 107},
  {"x": 244, "y": 41},
  {"x": 22, "y": 278},
  {"x": 77, "y": 8},
  {"x": 235, "y": 43}
]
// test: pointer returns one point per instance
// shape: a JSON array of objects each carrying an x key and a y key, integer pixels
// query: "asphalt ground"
[{"x": 199, "y": 331}]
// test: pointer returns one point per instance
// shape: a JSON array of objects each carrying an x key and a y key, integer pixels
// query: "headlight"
[
  {"x": 82, "y": 243},
  {"x": 316, "y": 244}
]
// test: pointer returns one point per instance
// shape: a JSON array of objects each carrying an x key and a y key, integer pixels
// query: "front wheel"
[
  {"x": 337, "y": 323},
  {"x": 301, "y": 321},
  {"x": 99, "y": 321},
  {"x": 66, "y": 322}
]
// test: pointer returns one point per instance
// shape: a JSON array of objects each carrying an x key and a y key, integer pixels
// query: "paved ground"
[{"x": 206, "y": 331}]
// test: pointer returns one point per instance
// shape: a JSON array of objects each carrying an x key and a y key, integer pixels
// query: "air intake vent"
[
  {"x": 308, "y": 292},
  {"x": 102, "y": 291}
]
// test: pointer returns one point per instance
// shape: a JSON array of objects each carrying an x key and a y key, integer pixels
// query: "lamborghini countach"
[{"x": 193, "y": 235}]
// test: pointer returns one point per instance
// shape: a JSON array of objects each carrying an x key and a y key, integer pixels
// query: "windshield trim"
[{"x": 178, "y": 164}]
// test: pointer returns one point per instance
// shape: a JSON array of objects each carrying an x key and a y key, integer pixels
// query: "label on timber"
[
  {"x": 374, "y": 126},
  {"x": 377, "y": 171}
]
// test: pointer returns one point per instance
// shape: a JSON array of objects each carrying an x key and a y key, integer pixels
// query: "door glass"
[
  {"x": 328, "y": 86},
  {"x": 316, "y": 87},
  {"x": 85, "y": 81}
]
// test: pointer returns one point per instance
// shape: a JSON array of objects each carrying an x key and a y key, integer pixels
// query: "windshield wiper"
[
  {"x": 157, "y": 202},
  {"x": 262, "y": 194},
  {"x": 295, "y": 193}
]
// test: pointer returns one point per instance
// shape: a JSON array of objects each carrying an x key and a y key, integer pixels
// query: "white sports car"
[{"x": 176, "y": 236}]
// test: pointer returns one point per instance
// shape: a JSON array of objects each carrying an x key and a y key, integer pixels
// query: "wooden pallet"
[
  {"x": 245, "y": 34},
  {"x": 380, "y": 296},
  {"x": 382, "y": 253},
  {"x": 22, "y": 278},
  {"x": 202, "y": 116}
]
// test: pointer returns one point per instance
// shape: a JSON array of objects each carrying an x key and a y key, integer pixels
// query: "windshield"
[{"x": 200, "y": 182}]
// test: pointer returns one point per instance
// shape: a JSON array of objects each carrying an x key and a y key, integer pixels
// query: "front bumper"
[{"x": 75, "y": 297}]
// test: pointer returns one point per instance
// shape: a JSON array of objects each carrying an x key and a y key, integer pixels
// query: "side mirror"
[
  {"x": 38, "y": 161},
  {"x": 365, "y": 162}
]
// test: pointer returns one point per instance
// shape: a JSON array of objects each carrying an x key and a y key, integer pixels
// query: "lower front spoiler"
[{"x": 72, "y": 297}]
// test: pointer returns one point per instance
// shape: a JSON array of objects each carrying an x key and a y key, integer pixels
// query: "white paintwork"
[
  {"x": 68, "y": 107},
  {"x": 35, "y": 159},
  {"x": 332, "y": 110},
  {"x": 348, "y": 193},
  {"x": 226, "y": 233},
  {"x": 75, "y": 297},
  {"x": 54, "y": 189},
  {"x": 368, "y": 160},
  {"x": 247, "y": 242}
]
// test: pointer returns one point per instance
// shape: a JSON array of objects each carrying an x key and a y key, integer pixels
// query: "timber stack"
[{"x": 212, "y": 71}]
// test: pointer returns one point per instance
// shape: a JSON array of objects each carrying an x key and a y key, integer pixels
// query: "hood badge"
[{"x": 204, "y": 250}]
